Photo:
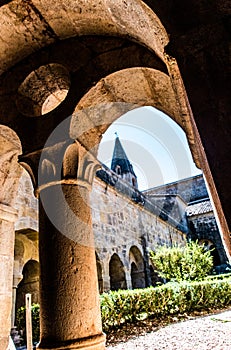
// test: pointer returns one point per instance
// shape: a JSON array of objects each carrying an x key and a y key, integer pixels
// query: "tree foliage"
[{"x": 191, "y": 262}]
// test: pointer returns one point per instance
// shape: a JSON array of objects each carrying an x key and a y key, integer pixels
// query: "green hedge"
[
  {"x": 169, "y": 299},
  {"x": 172, "y": 298},
  {"x": 218, "y": 277}
]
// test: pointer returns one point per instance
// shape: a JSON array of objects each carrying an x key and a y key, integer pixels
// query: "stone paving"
[{"x": 211, "y": 332}]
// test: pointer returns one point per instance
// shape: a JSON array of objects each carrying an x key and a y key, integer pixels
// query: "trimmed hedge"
[
  {"x": 169, "y": 299},
  {"x": 218, "y": 277},
  {"x": 172, "y": 298}
]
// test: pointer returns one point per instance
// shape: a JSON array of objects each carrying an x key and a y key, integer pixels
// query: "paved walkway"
[{"x": 211, "y": 332}]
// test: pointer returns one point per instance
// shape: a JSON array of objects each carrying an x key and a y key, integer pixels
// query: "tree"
[{"x": 182, "y": 263}]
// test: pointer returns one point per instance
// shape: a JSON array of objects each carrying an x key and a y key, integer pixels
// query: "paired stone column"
[
  {"x": 8, "y": 216},
  {"x": 69, "y": 298}
]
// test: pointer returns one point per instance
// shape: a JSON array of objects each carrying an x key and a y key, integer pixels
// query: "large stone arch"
[
  {"x": 27, "y": 87},
  {"x": 125, "y": 90},
  {"x": 117, "y": 273},
  {"x": 137, "y": 268},
  {"x": 120, "y": 91},
  {"x": 59, "y": 21}
]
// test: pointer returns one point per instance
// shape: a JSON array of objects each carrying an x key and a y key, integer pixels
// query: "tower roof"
[{"x": 120, "y": 159}]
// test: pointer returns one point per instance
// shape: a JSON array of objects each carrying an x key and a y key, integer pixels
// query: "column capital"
[
  {"x": 79, "y": 165},
  {"x": 67, "y": 162}
]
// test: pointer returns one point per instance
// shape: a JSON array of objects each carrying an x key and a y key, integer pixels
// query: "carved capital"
[
  {"x": 65, "y": 162},
  {"x": 79, "y": 165}
]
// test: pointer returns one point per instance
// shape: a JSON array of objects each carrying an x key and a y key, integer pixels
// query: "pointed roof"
[{"x": 120, "y": 159}]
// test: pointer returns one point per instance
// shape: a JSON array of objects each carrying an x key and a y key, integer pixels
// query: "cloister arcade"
[{"x": 69, "y": 69}]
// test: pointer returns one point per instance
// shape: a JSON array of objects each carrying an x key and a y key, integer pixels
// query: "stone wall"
[
  {"x": 120, "y": 224},
  {"x": 189, "y": 190},
  {"x": 203, "y": 227}
]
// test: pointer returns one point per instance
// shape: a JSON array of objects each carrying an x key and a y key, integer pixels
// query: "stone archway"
[
  {"x": 137, "y": 268},
  {"x": 210, "y": 246},
  {"x": 29, "y": 283},
  {"x": 117, "y": 273}
]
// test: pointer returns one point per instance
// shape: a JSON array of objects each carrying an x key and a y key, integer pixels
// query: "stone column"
[
  {"x": 69, "y": 298},
  {"x": 128, "y": 278},
  {"x": 16, "y": 280},
  {"x": 106, "y": 283},
  {"x": 8, "y": 216}
]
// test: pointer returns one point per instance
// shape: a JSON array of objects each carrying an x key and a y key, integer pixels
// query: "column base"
[{"x": 91, "y": 343}]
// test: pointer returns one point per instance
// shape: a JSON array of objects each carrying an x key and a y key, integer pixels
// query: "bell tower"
[{"x": 121, "y": 165}]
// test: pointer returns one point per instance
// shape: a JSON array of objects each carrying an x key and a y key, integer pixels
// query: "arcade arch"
[
  {"x": 29, "y": 283},
  {"x": 210, "y": 246},
  {"x": 117, "y": 273},
  {"x": 137, "y": 268}
]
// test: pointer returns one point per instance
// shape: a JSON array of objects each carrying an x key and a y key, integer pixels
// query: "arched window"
[{"x": 118, "y": 170}]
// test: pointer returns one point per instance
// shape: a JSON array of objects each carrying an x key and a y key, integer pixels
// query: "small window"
[{"x": 118, "y": 170}]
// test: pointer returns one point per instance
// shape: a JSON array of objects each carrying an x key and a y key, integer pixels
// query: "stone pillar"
[
  {"x": 8, "y": 217},
  {"x": 106, "y": 282},
  {"x": 16, "y": 280},
  {"x": 69, "y": 298},
  {"x": 128, "y": 278}
]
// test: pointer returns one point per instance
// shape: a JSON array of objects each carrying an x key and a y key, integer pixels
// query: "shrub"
[
  {"x": 182, "y": 263},
  {"x": 21, "y": 322}
]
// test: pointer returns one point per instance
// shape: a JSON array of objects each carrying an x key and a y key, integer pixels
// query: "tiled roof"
[{"x": 199, "y": 208}]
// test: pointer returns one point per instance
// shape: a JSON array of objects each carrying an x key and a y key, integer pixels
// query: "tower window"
[{"x": 118, "y": 170}]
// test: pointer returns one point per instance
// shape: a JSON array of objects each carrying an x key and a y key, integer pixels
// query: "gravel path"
[{"x": 211, "y": 332}]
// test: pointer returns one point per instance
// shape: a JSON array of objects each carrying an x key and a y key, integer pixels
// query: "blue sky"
[{"x": 156, "y": 146}]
